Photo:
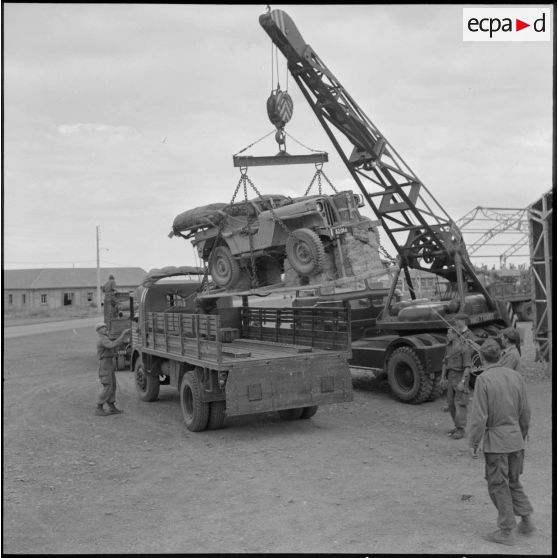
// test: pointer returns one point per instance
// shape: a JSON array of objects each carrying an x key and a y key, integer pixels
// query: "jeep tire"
[
  {"x": 305, "y": 252},
  {"x": 224, "y": 269}
]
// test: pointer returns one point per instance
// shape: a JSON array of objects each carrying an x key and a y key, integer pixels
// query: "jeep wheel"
[
  {"x": 406, "y": 376},
  {"x": 305, "y": 252},
  {"x": 147, "y": 385},
  {"x": 194, "y": 411},
  {"x": 224, "y": 269}
]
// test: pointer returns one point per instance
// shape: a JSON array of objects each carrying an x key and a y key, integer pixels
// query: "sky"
[{"x": 121, "y": 116}]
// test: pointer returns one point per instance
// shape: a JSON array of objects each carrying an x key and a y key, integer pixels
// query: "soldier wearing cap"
[
  {"x": 510, "y": 355},
  {"x": 456, "y": 368},
  {"x": 500, "y": 415},
  {"x": 107, "y": 376}
]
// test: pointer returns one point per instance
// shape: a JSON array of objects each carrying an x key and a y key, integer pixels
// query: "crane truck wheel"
[
  {"x": 305, "y": 252},
  {"x": 147, "y": 385},
  {"x": 195, "y": 412},
  {"x": 290, "y": 414},
  {"x": 309, "y": 412},
  {"x": 436, "y": 388},
  {"x": 216, "y": 415},
  {"x": 407, "y": 377},
  {"x": 224, "y": 269}
]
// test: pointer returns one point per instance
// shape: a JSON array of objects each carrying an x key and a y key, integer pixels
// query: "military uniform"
[
  {"x": 105, "y": 355},
  {"x": 456, "y": 360},
  {"x": 510, "y": 358},
  {"x": 500, "y": 412}
]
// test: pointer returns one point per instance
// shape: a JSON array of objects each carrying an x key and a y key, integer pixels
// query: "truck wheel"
[
  {"x": 216, "y": 415},
  {"x": 290, "y": 414},
  {"x": 224, "y": 269},
  {"x": 436, "y": 388},
  {"x": 309, "y": 412},
  {"x": 194, "y": 411},
  {"x": 305, "y": 252},
  {"x": 406, "y": 376},
  {"x": 527, "y": 312},
  {"x": 147, "y": 385},
  {"x": 120, "y": 362}
]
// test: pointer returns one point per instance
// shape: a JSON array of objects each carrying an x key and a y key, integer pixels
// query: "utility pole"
[{"x": 99, "y": 310}]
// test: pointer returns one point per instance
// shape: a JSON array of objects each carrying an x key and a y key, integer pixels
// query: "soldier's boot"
[
  {"x": 501, "y": 536},
  {"x": 452, "y": 431},
  {"x": 112, "y": 410},
  {"x": 100, "y": 412},
  {"x": 458, "y": 434},
  {"x": 526, "y": 525}
]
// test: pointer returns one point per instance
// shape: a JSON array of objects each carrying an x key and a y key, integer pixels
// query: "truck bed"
[{"x": 246, "y": 335}]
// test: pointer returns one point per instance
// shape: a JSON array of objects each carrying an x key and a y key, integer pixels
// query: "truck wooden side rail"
[{"x": 241, "y": 360}]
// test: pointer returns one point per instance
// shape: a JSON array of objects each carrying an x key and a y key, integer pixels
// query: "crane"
[{"x": 423, "y": 234}]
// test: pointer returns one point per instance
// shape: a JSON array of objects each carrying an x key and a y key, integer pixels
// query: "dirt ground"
[{"x": 371, "y": 476}]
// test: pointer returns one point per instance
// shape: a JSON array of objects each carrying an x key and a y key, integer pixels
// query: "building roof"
[{"x": 69, "y": 277}]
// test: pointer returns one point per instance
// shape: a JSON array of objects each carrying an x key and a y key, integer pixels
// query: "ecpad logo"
[{"x": 506, "y": 24}]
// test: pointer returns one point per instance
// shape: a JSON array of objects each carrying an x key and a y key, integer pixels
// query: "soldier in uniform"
[
  {"x": 500, "y": 416},
  {"x": 107, "y": 376},
  {"x": 510, "y": 356},
  {"x": 456, "y": 368},
  {"x": 109, "y": 288}
]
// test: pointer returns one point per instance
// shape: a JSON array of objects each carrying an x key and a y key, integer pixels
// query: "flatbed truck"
[{"x": 237, "y": 360}]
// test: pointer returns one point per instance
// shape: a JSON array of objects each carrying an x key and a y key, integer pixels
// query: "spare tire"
[{"x": 305, "y": 252}]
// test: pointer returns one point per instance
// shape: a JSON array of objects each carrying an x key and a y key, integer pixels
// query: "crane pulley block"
[{"x": 279, "y": 108}]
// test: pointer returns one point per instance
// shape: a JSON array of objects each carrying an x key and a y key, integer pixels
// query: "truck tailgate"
[{"x": 286, "y": 383}]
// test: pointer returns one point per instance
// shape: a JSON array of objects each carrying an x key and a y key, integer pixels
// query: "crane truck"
[{"x": 404, "y": 341}]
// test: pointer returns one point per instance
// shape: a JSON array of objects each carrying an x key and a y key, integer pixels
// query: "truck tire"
[
  {"x": 309, "y": 412},
  {"x": 195, "y": 412},
  {"x": 436, "y": 388},
  {"x": 290, "y": 414},
  {"x": 223, "y": 268},
  {"x": 406, "y": 376},
  {"x": 216, "y": 415},
  {"x": 305, "y": 252},
  {"x": 147, "y": 385}
]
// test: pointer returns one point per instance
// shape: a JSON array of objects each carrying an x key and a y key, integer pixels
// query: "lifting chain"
[{"x": 318, "y": 176}]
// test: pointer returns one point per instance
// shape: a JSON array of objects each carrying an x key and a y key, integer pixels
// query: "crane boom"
[{"x": 424, "y": 235}]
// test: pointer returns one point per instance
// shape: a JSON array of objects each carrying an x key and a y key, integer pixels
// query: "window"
[
  {"x": 89, "y": 297},
  {"x": 43, "y": 299},
  {"x": 23, "y": 299},
  {"x": 10, "y": 299},
  {"x": 68, "y": 299}
]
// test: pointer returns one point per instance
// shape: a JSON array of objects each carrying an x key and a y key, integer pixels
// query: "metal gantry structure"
[
  {"x": 541, "y": 228},
  {"x": 496, "y": 233}
]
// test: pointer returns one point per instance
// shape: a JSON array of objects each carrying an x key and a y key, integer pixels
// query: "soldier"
[
  {"x": 111, "y": 304},
  {"x": 461, "y": 321},
  {"x": 500, "y": 412},
  {"x": 107, "y": 376},
  {"x": 456, "y": 368},
  {"x": 511, "y": 355}
]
